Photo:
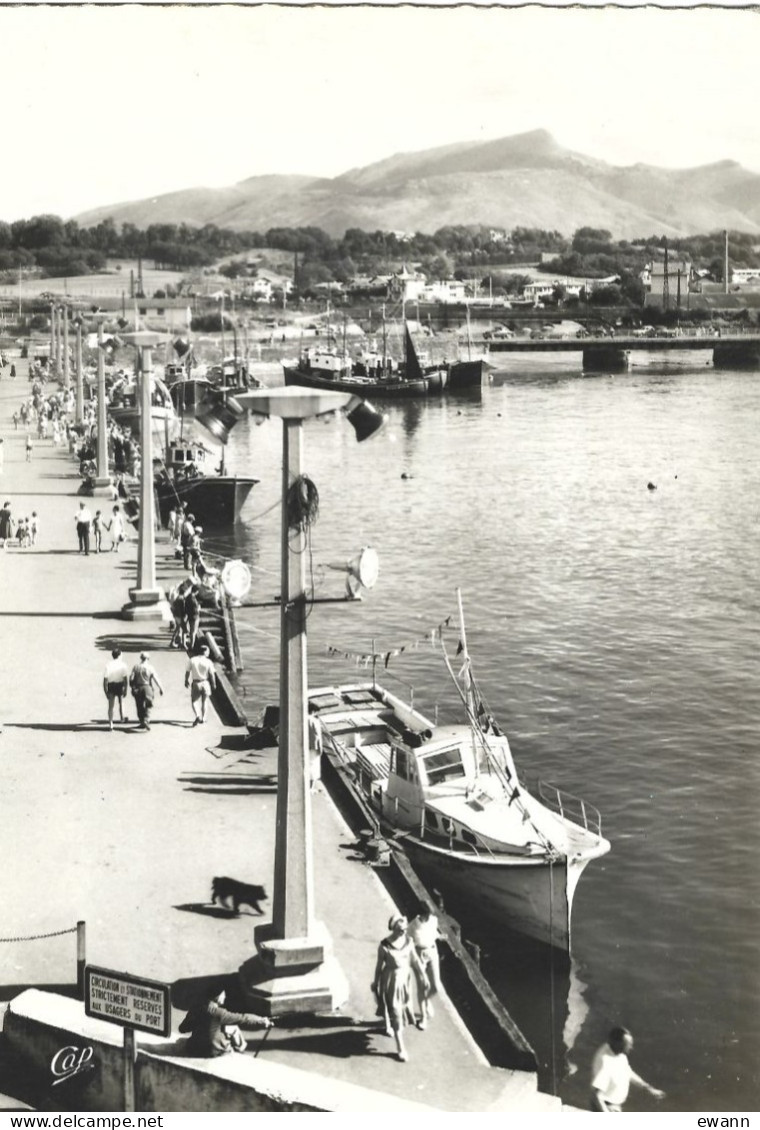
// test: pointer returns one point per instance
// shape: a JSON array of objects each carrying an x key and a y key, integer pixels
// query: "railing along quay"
[{"x": 647, "y": 344}]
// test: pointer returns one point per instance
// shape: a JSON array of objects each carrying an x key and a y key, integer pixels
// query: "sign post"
[{"x": 135, "y": 1004}]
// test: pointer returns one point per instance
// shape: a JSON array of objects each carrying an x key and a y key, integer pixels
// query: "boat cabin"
[
  {"x": 184, "y": 460},
  {"x": 439, "y": 783},
  {"x": 325, "y": 363}
]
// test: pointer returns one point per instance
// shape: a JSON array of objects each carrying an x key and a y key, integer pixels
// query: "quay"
[{"x": 125, "y": 830}]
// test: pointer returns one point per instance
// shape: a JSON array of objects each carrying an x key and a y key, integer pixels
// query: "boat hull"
[
  {"x": 215, "y": 500},
  {"x": 164, "y": 421},
  {"x": 188, "y": 396},
  {"x": 467, "y": 375},
  {"x": 356, "y": 386},
  {"x": 529, "y": 896}
]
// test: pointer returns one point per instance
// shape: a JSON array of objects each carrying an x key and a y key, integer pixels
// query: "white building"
[{"x": 743, "y": 275}]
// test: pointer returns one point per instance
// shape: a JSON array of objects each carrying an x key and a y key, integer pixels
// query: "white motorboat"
[{"x": 451, "y": 798}]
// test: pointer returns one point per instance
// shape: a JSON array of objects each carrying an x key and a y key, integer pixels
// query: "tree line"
[{"x": 52, "y": 247}]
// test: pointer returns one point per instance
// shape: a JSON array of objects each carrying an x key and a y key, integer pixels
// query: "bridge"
[{"x": 611, "y": 354}]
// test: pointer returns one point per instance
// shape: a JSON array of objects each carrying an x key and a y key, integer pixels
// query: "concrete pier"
[{"x": 126, "y": 829}]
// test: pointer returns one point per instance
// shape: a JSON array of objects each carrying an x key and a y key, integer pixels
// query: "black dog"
[{"x": 248, "y": 894}]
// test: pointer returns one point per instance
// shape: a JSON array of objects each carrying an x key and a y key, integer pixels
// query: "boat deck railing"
[
  {"x": 570, "y": 807},
  {"x": 394, "y": 678}
]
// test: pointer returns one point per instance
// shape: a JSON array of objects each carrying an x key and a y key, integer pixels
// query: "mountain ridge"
[{"x": 525, "y": 179}]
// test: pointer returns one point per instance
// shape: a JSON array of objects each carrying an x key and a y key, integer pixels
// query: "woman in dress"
[
  {"x": 116, "y": 526},
  {"x": 395, "y": 972}
]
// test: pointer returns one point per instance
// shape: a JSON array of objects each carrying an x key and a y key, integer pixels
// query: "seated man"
[{"x": 214, "y": 1031}]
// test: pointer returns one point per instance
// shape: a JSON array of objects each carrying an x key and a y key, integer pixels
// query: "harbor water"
[{"x": 614, "y": 631}]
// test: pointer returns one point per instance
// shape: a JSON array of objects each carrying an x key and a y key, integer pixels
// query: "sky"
[{"x": 109, "y": 104}]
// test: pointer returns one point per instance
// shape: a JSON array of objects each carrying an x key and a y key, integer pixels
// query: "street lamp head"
[
  {"x": 220, "y": 416},
  {"x": 364, "y": 419}
]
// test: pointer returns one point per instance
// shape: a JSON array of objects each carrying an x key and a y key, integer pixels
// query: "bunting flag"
[{"x": 365, "y": 659}]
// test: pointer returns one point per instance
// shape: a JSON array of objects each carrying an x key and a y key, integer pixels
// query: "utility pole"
[{"x": 665, "y": 282}]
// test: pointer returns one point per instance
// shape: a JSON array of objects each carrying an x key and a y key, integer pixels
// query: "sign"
[{"x": 132, "y": 1002}]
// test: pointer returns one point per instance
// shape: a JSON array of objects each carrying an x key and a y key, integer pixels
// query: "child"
[
  {"x": 29, "y": 446},
  {"x": 22, "y": 533},
  {"x": 34, "y": 526},
  {"x": 97, "y": 530},
  {"x": 15, "y": 420}
]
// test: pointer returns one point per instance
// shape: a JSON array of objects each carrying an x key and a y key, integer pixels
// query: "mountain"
[{"x": 527, "y": 179}]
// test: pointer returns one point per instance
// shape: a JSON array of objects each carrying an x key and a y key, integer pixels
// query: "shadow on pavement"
[
  {"x": 133, "y": 643},
  {"x": 342, "y": 1045},
  {"x": 209, "y": 909},
  {"x": 187, "y": 992},
  {"x": 74, "y": 727},
  {"x": 8, "y": 992}
]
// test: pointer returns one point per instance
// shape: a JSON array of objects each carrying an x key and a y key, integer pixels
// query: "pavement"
[{"x": 126, "y": 829}]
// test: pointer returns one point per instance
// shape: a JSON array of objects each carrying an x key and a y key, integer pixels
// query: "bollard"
[{"x": 81, "y": 957}]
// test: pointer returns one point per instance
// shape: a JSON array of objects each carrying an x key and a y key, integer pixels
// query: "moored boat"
[
  {"x": 450, "y": 797},
  {"x": 185, "y": 475},
  {"x": 467, "y": 375},
  {"x": 124, "y": 406}
]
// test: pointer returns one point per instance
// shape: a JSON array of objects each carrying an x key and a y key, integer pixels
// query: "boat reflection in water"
[{"x": 545, "y": 994}]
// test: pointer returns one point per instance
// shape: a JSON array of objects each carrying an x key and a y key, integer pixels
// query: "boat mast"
[
  {"x": 221, "y": 316},
  {"x": 385, "y": 340},
  {"x": 469, "y": 689}
]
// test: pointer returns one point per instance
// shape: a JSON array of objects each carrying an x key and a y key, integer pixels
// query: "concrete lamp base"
[
  {"x": 147, "y": 604},
  {"x": 293, "y": 975},
  {"x": 102, "y": 488}
]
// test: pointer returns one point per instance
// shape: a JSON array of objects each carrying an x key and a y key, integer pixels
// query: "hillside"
[{"x": 527, "y": 179}]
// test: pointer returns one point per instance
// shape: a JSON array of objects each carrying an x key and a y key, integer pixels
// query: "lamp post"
[
  {"x": 79, "y": 385},
  {"x": 65, "y": 359},
  {"x": 294, "y": 970},
  {"x": 147, "y": 601},
  {"x": 102, "y": 484}
]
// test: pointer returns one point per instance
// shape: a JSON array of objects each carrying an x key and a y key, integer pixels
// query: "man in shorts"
[
  {"x": 200, "y": 677},
  {"x": 115, "y": 679}
]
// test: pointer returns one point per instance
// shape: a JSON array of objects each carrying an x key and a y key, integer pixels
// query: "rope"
[
  {"x": 302, "y": 503},
  {"x": 35, "y": 937}
]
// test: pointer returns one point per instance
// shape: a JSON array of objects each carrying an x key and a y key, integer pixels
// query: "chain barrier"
[{"x": 35, "y": 937}]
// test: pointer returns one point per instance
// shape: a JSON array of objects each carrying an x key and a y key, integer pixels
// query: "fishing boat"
[
  {"x": 186, "y": 474},
  {"x": 451, "y": 798},
  {"x": 190, "y": 393},
  {"x": 124, "y": 405},
  {"x": 373, "y": 373}
]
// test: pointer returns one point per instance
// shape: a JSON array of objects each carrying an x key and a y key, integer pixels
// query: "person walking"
[
  {"x": 6, "y": 521},
  {"x": 116, "y": 528},
  {"x": 15, "y": 420},
  {"x": 200, "y": 677},
  {"x": 424, "y": 932},
  {"x": 115, "y": 679},
  {"x": 397, "y": 965},
  {"x": 97, "y": 531},
  {"x": 214, "y": 1029},
  {"x": 142, "y": 681},
  {"x": 192, "y": 617},
  {"x": 34, "y": 526},
  {"x": 177, "y": 608},
  {"x": 612, "y": 1074},
  {"x": 83, "y": 519},
  {"x": 29, "y": 448},
  {"x": 186, "y": 540}
]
